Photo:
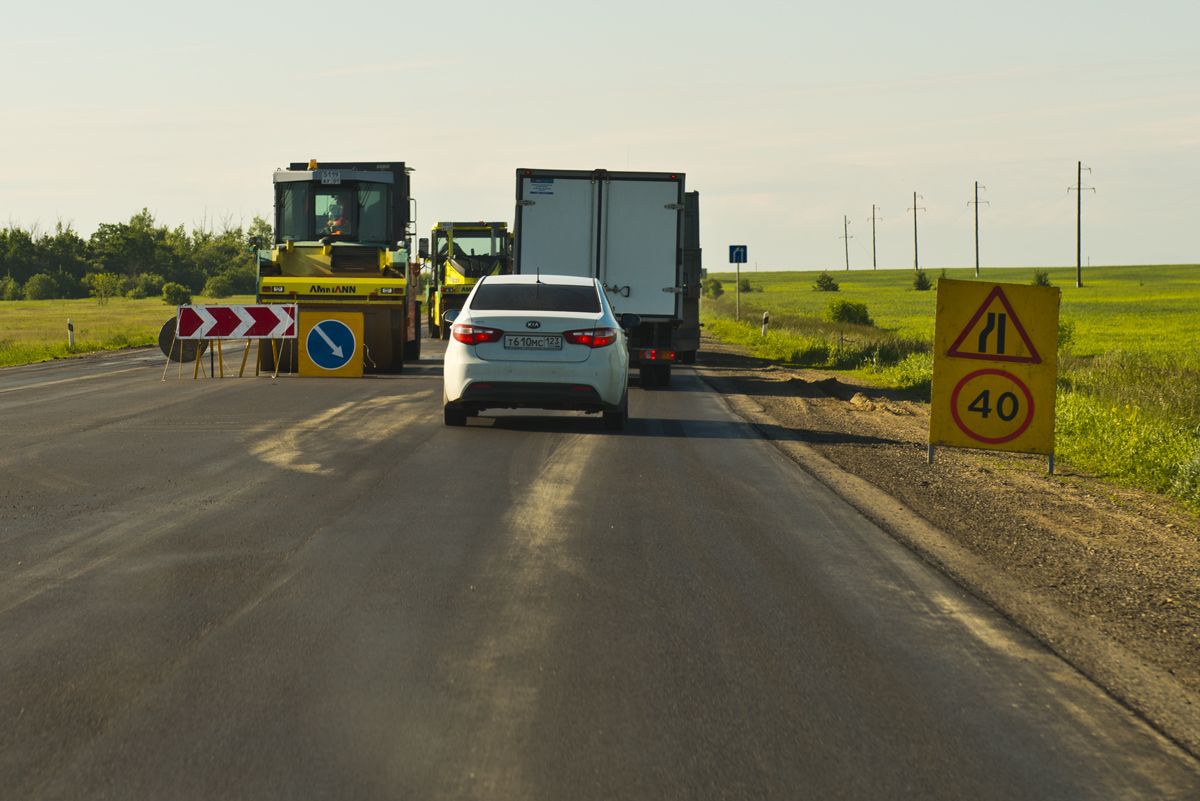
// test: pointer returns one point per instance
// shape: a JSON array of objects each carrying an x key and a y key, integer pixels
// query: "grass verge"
[{"x": 36, "y": 330}]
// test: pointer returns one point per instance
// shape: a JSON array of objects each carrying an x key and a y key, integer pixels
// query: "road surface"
[{"x": 254, "y": 589}]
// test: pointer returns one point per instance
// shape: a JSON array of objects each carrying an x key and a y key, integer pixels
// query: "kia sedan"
[{"x": 537, "y": 342}]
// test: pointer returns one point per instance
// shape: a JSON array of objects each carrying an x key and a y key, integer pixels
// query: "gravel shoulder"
[{"x": 1107, "y": 577}]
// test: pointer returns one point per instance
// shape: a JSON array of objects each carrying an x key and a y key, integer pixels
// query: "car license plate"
[{"x": 534, "y": 342}]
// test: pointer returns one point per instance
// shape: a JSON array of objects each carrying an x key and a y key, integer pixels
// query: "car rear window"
[{"x": 535, "y": 297}]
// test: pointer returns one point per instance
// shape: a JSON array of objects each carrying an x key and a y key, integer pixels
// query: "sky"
[{"x": 786, "y": 117}]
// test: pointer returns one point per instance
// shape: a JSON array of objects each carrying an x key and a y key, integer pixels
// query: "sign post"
[
  {"x": 737, "y": 256},
  {"x": 995, "y": 367}
]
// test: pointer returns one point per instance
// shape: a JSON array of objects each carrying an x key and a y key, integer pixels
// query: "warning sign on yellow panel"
[
  {"x": 995, "y": 366},
  {"x": 331, "y": 344}
]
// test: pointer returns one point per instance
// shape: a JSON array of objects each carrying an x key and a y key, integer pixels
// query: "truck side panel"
[
  {"x": 639, "y": 245},
  {"x": 556, "y": 225}
]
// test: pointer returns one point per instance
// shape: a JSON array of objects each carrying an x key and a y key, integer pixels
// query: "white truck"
[{"x": 639, "y": 233}]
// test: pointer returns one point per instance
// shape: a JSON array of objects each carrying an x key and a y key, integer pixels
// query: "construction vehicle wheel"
[
  {"x": 647, "y": 376},
  {"x": 664, "y": 375},
  {"x": 687, "y": 356},
  {"x": 179, "y": 350},
  {"x": 454, "y": 416}
]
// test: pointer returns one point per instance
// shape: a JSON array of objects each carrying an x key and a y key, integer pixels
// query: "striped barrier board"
[{"x": 260, "y": 321}]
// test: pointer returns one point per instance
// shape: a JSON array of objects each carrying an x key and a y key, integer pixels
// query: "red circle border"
[{"x": 979, "y": 437}]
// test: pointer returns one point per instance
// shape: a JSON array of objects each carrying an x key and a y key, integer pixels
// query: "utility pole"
[
  {"x": 846, "y": 236},
  {"x": 976, "y": 203},
  {"x": 1079, "y": 189},
  {"x": 874, "y": 263},
  {"x": 915, "y": 208}
]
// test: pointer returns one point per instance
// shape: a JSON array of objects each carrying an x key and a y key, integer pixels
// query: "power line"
[
  {"x": 915, "y": 208},
  {"x": 1079, "y": 189},
  {"x": 874, "y": 264},
  {"x": 846, "y": 236},
  {"x": 976, "y": 203}
]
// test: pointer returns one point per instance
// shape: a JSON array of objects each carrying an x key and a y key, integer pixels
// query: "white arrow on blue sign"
[
  {"x": 331, "y": 344},
  {"x": 737, "y": 254}
]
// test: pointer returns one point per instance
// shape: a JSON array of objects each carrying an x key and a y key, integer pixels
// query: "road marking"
[{"x": 70, "y": 380}]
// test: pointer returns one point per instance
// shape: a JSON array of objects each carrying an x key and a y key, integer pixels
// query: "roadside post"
[
  {"x": 995, "y": 367},
  {"x": 737, "y": 257},
  {"x": 70, "y": 334},
  {"x": 766, "y": 322}
]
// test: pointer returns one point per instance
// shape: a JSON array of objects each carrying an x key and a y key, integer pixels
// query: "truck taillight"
[
  {"x": 592, "y": 337},
  {"x": 474, "y": 334},
  {"x": 654, "y": 355}
]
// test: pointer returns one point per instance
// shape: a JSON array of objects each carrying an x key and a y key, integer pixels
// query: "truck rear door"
[
  {"x": 639, "y": 244},
  {"x": 557, "y": 223}
]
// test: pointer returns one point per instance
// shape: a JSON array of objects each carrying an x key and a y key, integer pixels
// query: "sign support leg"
[
  {"x": 245, "y": 356},
  {"x": 167, "y": 366},
  {"x": 1050, "y": 463},
  {"x": 221, "y": 358},
  {"x": 931, "y": 454}
]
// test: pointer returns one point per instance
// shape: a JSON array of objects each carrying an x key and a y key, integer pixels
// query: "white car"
[{"x": 537, "y": 342}]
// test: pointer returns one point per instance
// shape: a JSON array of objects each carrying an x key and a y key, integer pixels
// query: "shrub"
[
  {"x": 40, "y": 287},
  {"x": 176, "y": 294},
  {"x": 103, "y": 285},
  {"x": 825, "y": 283},
  {"x": 848, "y": 311},
  {"x": 1041, "y": 278},
  {"x": 144, "y": 285},
  {"x": 712, "y": 288},
  {"x": 744, "y": 285},
  {"x": 10, "y": 288},
  {"x": 219, "y": 286},
  {"x": 921, "y": 281},
  {"x": 1066, "y": 334}
]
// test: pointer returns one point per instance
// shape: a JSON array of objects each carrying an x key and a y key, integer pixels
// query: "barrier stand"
[
  {"x": 167, "y": 366},
  {"x": 245, "y": 356},
  {"x": 220, "y": 358}
]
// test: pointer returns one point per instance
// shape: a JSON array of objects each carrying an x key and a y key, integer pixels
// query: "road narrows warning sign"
[
  {"x": 1007, "y": 401},
  {"x": 986, "y": 335}
]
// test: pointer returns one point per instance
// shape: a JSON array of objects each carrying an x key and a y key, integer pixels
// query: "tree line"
[{"x": 133, "y": 259}]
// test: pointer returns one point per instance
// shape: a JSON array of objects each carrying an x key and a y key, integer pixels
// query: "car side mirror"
[{"x": 629, "y": 321}]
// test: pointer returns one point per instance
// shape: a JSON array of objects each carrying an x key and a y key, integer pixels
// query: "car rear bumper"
[
  {"x": 597, "y": 384},
  {"x": 532, "y": 395}
]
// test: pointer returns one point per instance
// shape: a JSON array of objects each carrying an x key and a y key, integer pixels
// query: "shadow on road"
[{"x": 672, "y": 428}]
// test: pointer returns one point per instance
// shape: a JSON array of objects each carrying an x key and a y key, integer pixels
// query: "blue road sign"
[
  {"x": 737, "y": 254},
  {"x": 331, "y": 344}
]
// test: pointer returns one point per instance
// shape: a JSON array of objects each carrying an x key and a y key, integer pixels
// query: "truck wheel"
[
  {"x": 664, "y": 375},
  {"x": 687, "y": 356},
  {"x": 445, "y": 332},
  {"x": 647, "y": 376},
  {"x": 453, "y": 416}
]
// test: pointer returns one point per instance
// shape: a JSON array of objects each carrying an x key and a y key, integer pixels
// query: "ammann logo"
[{"x": 331, "y": 290}]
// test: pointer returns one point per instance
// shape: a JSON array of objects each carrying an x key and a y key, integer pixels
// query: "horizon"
[{"x": 784, "y": 119}]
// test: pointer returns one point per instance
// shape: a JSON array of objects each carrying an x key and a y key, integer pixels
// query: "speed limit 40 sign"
[{"x": 995, "y": 366}]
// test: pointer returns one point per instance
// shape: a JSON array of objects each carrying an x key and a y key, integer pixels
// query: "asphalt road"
[{"x": 247, "y": 589}]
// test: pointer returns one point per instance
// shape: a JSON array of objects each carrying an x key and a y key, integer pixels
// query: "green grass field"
[
  {"x": 1155, "y": 308},
  {"x": 36, "y": 330},
  {"x": 1129, "y": 368}
]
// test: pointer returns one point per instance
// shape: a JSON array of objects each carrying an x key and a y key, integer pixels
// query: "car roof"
[{"x": 566, "y": 280}]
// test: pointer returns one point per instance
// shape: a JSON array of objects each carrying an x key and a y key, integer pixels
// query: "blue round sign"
[{"x": 331, "y": 344}]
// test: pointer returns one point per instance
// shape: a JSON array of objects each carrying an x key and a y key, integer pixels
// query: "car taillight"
[
  {"x": 474, "y": 334},
  {"x": 592, "y": 337}
]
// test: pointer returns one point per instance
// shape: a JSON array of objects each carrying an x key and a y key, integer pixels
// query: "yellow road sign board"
[
  {"x": 331, "y": 344},
  {"x": 995, "y": 366}
]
